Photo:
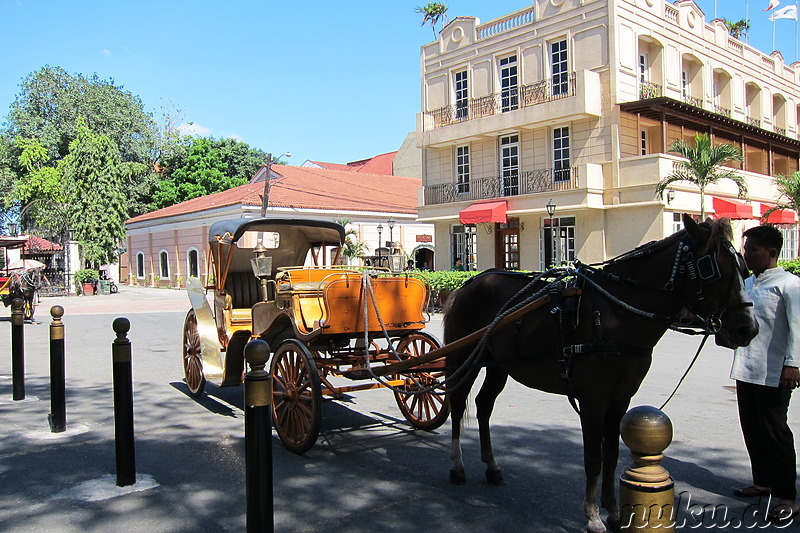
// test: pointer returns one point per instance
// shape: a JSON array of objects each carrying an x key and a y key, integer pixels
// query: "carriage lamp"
[
  {"x": 13, "y": 227},
  {"x": 262, "y": 268},
  {"x": 670, "y": 195}
]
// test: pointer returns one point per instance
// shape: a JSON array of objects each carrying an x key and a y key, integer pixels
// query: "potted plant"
[{"x": 86, "y": 278}]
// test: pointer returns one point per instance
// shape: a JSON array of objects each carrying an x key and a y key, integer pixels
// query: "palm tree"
[
  {"x": 702, "y": 167},
  {"x": 433, "y": 12},
  {"x": 352, "y": 249},
  {"x": 789, "y": 187},
  {"x": 738, "y": 28}
]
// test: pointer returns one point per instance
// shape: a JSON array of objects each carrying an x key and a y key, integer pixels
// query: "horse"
[
  {"x": 594, "y": 347},
  {"x": 23, "y": 285}
]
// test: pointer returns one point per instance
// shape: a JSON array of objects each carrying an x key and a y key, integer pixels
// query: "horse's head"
[{"x": 714, "y": 288}]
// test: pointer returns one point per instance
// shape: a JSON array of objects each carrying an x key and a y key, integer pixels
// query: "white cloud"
[
  {"x": 234, "y": 136},
  {"x": 106, "y": 52},
  {"x": 196, "y": 130}
]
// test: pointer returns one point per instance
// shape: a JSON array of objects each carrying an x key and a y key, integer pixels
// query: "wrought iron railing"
[
  {"x": 754, "y": 122},
  {"x": 724, "y": 111},
  {"x": 779, "y": 130},
  {"x": 503, "y": 186},
  {"x": 502, "y": 102},
  {"x": 693, "y": 100},
  {"x": 650, "y": 90}
]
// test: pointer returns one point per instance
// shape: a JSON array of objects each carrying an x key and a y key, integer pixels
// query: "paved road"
[{"x": 369, "y": 469}]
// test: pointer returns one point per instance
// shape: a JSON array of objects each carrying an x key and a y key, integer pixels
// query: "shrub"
[
  {"x": 87, "y": 275},
  {"x": 792, "y": 266}
]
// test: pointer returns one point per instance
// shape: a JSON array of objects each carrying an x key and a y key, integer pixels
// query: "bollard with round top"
[
  {"x": 258, "y": 438},
  {"x": 123, "y": 403},
  {"x": 58, "y": 400},
  {"x": 647, "y": 492},
  {"x": 17, "y": 350}
]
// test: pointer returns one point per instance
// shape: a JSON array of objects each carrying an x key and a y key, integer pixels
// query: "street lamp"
[
  {"x": 265, "y": 198},
  {"x": 551, "y": 210},
  {"x": 380, "y": 231},
  {"x": 391, "y": 238},
  {"x": 13, "y": 227}
]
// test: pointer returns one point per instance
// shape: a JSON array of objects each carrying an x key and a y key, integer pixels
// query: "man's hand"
[{"x": 790, "y": 377}]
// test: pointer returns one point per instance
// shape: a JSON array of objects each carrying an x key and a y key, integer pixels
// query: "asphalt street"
[{"x": 370, "y": 470}]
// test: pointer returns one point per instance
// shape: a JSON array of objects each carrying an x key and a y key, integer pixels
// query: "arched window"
[
  {"x": 140, "y": 265},
  {"x": 193, "y": 262},
  {"x": 163, "y": 262}
]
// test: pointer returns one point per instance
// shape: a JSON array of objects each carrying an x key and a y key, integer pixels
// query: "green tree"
[
  {"x": 433, "y": 13},
  {"x": 94, "y": 183},
  {"x": 202, "y": 172},
  {"x": 241, "y": 160},
  {"x": 789, "y": 187},
  {"x": 353, "y": 248},
  {"x": 703, "y": 166},
  {"x": 739, "y": 28},
  {"x": 39, "y": 193}
]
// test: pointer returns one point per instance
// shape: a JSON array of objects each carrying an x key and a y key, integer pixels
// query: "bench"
[{"x": 243, "y": 291}]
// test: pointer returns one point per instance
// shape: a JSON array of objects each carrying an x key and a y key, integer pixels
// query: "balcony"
[
  {"x": 693, "y": 100},
  {"x": 779, "y": 130},
  {"x": 526, "y": 107},
  {"x": 754, "y": 121},
  {"x": 650, "y": 90},
  {"x": 503, "y": 186},
  {"x": 502, "y": 102},
  {"x": 724, "y": 111}
]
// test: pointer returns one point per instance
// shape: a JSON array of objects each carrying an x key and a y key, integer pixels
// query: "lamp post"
[
  {"x": 13, "y": 228},
  {"x": 265, "y": 198},
  {"x": 380, "y": 231},
  {"x": 391, "y": 241},
  {"x": 551, "y": 210}
]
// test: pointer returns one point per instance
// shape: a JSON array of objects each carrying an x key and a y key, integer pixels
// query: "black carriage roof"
[{"x": 315, "y": 231}]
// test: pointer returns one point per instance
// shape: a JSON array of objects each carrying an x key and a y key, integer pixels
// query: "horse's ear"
[{"x": 690, "y": 225}]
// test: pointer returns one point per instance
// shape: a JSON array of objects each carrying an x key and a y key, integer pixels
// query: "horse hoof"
[
  {"x": 596, "y": 526},
  {"x": 495, "y": 477},
  {"x": 458, "y": 477},
  {"x": 613, "y": 524}
]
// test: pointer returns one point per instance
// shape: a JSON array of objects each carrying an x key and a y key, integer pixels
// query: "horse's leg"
[
  {"x": 608, "y": 494},
  {"x": 458, "y": 405},
  {"x": 592, "y": 418},
  {"x": 493, "y": 384}
]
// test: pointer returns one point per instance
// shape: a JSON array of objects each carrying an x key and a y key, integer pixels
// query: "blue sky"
[{"x": 328, "y": 81}]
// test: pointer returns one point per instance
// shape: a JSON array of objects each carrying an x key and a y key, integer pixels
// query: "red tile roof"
[
  {"x": 380, "y": 164},
  {"x": 37, "y": 244},
  {"x": 311, "y": 188}
]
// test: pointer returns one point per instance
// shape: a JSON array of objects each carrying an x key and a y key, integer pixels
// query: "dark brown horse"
[{"x": 595, "y": 348}]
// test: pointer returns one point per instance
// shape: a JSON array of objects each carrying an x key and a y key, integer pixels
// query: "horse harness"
[{"x": 565, "y": 311}]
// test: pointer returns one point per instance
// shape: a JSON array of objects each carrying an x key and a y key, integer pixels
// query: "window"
[
  {"x": 163, "y": 263},
  {"x": 193, "y": 263},
  {"x": 140, "y": 265},
  {"x": 461, "y": 93},
  {"x": 790, "y": 238},
  {"x": 561, "y": 170},
  {"x": 643, "y": 143},
  {"x": 644, "y": 69},
  {"x": 685, "y": 83},
  {"x": 462, "y": 169},
  {"x": 509, "y": 164},
  {"x": 464, "y": 244},
  {"x": 558, "y": 67},
  {"x": 677, "y": 222},
  {"x": 558, "y": 241},
  {"x": 509, "y": 94}
]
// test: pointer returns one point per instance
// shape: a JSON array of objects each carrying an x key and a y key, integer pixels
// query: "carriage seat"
[{"x": 243, "y": 292}]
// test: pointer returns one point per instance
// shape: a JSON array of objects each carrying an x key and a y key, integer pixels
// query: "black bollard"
[
  {"x": 258, "y": 438},
  {"x": 58, "y": 398},
  {"x": 123, "y": 404},
  {"x": 17, "y": 350}
]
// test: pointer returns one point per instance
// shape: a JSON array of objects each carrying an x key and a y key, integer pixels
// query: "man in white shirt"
[{"x": 766, "y": 371}]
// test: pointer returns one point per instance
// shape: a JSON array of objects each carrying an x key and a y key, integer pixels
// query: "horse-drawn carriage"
[
  {"x": 279, "y": 280},
  {"x": 22, "y": 280}
]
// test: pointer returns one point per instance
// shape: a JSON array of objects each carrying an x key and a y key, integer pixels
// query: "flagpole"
[
  {"x": 795, "y": 31},
  {"x": 773, "y": 34}
]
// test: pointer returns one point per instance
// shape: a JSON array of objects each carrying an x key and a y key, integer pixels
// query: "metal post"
[
  {"x": 58, "y": 399},
  {"x": 17, "y": 350},
  {"x": 258, "y": 438},
  {"x": 123, "y": 404}
]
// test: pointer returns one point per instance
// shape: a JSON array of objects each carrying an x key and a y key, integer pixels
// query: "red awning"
[
  {"x": 782, "y": 216},
  {"x": 733, "y": 209},
  {"x": 485, "y": 212}
]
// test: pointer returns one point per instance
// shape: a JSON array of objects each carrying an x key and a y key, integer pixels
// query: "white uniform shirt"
[{"x": 776, "y": 305}]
